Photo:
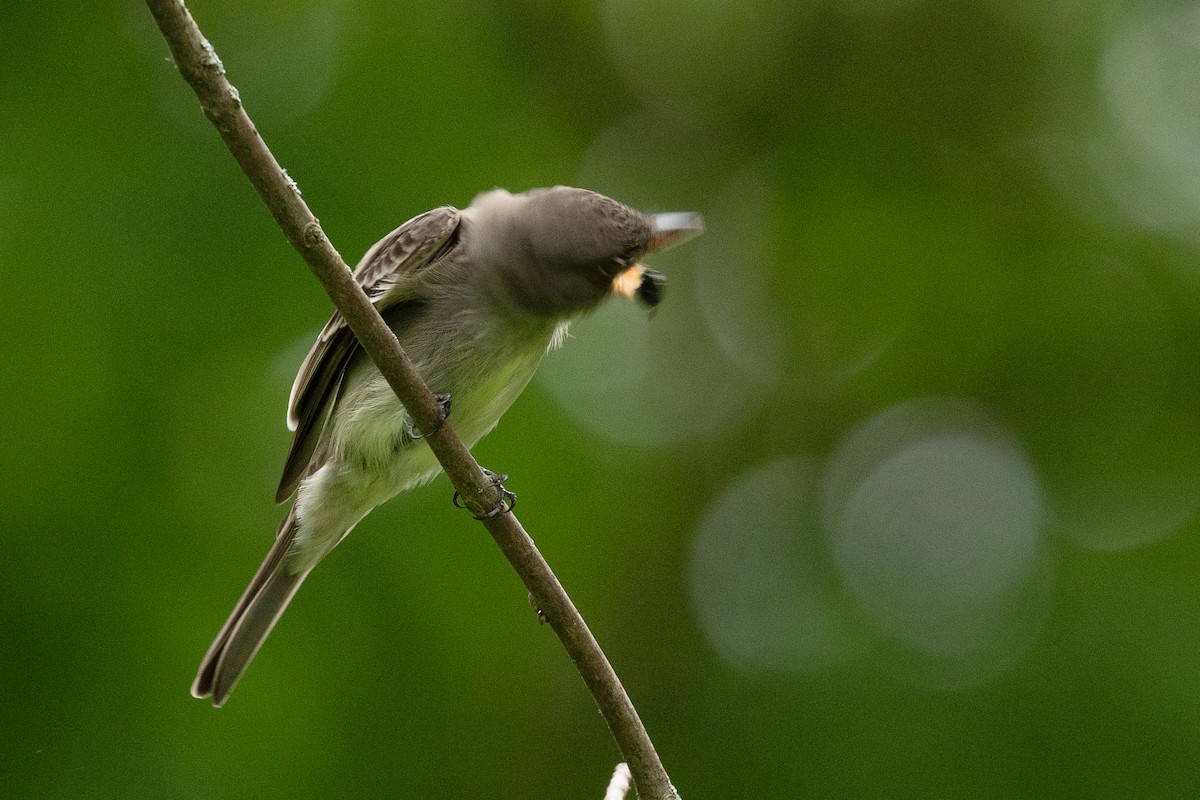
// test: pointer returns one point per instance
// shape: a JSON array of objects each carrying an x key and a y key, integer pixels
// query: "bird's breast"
[{"x": 482, "y": 364}]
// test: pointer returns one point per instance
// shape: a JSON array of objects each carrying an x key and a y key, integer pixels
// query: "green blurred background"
[{"x": 896, "y": 496}]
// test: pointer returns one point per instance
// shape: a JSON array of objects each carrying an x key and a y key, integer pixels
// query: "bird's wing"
[{"x": 415, "y": 244}]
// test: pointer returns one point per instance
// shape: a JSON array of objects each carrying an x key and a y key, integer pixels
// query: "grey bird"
[{"x": 476, "y": 298}]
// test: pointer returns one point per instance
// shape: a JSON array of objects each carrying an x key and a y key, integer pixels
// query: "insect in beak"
[{"x": 640, "y": 283}]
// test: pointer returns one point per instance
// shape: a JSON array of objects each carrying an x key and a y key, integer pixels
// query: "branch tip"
[{"x": 618, "y": 786}]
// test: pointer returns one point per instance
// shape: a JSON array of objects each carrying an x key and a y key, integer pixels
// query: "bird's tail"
[{"x": 252, "y": 619}]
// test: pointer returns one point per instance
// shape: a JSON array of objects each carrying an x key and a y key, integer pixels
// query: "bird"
[{"x": 475, "y": 297}]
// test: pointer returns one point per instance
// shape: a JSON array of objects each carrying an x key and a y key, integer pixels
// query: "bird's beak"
[
  {"x": 668, "y": 230},
  {"x": 675, "y": 228}
]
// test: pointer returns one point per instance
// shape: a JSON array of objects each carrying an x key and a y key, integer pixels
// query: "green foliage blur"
[{"x": 896, "y": 496}]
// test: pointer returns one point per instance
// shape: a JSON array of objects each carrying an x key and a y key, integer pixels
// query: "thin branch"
[
  {"x": 202, "y": 69},
  {"x": 618, "y": 786}
]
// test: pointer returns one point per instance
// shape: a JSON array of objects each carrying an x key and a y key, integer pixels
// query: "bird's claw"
[
  {"x": 444, "y": 404},
  {"x": 505, "y": 500}
]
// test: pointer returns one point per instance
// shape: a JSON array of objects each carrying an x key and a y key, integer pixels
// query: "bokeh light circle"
[
  {"x": 935, "y": 521},
  {"x": 759, "y": 583},
  {"x": 1149, "y": 72}
]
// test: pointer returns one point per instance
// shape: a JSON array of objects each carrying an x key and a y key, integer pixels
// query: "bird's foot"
[
  {"x": 444, "y": 404},
  {"x": 505, "y": 500}
]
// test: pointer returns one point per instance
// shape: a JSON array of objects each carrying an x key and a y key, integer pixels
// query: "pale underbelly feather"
[{"x": 371, "y": 459}]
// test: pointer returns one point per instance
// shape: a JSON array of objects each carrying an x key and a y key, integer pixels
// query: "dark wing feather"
[{"x": 413, "y": 245}]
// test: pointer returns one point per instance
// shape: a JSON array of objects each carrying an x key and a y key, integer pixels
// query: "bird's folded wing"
[{"x": 413, "y": 245}]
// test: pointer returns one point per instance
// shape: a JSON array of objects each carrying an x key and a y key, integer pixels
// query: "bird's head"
[{"x": 561, "y": 251}]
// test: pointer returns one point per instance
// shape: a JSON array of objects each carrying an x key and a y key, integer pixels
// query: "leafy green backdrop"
[{"x": 896, "y": 495}]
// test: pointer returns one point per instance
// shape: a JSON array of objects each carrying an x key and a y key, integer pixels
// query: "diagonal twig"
[
  {"x": 202, "y": 69},
  {"x": 618, "y": 786}
]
